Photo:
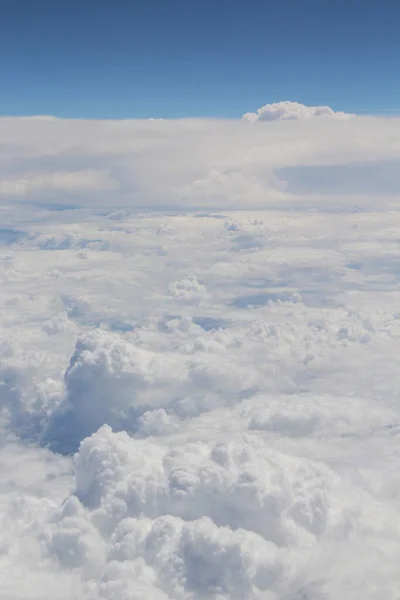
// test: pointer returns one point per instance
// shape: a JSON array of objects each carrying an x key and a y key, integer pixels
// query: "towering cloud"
[{"x": 287, "y": 110}]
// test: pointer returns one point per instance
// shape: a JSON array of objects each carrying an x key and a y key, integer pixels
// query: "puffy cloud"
[
  {"x": 235, "y": 484},
  {"x": 227, "y": 518},
  {"x": 188, "y": 290},
  {"x": 199, "y": 403},
  {"x": 287, "y": 110}
]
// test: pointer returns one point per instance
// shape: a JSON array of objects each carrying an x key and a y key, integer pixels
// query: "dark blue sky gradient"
[{"x": 179, "y": 58}]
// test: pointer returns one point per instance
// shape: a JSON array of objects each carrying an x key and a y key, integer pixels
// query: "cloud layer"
[
  {"x": 198, "y": 403},
  {"x": 200, "y": 164}
]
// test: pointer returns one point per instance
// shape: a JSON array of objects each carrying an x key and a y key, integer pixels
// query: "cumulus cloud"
[
  {"x": 287, "y": 110},
  {"x": 198, "y": 402},
  {"x": 188, "y": 290}
]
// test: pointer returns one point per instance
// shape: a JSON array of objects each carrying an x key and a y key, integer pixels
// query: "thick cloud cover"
[
  {"x": 198, "y": 402},
  {"x": 191, "y": 164},
  {"x": 287, "y": 110}
]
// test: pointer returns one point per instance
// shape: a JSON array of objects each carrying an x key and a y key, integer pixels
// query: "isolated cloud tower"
[{"x": 286, "y": 110}]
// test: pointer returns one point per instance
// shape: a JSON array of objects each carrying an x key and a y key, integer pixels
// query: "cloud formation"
[
  {"x": 287, "y": 110},
  {"x": 200, "y": 164},
  {"x": 196, "y": 402}
]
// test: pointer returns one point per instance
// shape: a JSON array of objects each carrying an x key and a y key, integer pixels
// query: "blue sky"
[{"x": 103, "y": 58}]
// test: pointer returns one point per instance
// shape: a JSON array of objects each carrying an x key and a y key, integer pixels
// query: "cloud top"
[{"x": 287, "y": 110}]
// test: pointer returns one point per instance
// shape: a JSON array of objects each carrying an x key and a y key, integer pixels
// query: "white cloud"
[
  {"x": 287, "y": 110},
  {"x": 199, "y": 163},
  {"x": 68, "y": 182},
  {"x": 188, "y": 290},
  {"x": 228, "y": 378}
]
